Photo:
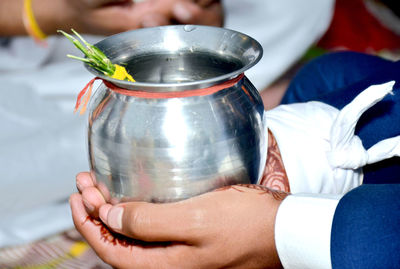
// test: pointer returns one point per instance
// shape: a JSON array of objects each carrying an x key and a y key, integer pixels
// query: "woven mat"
[{"x": 66, "y": 250}]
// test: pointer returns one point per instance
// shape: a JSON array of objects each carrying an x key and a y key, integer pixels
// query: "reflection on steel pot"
[{"x": 191, "y": 123}]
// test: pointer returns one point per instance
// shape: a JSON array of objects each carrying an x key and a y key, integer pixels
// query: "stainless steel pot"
[{"x": 191, "y": 123}]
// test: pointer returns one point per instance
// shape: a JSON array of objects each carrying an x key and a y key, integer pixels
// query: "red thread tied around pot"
[{"x": 84, "y": 95}]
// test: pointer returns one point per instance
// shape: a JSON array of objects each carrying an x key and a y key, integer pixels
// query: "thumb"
[{"x": 152, "y": 222}]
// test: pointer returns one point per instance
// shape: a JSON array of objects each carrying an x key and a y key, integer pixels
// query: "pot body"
[{"x": 167, "y": 149}]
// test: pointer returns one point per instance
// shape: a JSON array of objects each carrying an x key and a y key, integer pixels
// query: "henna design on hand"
[
  {"x": 277, "y": 194},
  {"x": 274, "y": 176},
  {"x": 109, "y": 236},
  {"x": 228, "y": 188},
  {"x": 117, "y": 239}
]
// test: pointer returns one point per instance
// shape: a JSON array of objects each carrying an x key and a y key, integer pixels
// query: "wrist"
[
  {"x": 274, "y": 175},
  {"x": 267, "y": 250}
]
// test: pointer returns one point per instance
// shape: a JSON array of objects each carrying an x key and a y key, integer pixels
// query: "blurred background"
[{"x": 43, "y": 144}]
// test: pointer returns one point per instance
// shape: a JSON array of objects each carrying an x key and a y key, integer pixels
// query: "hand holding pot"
[{"x": 232, "y": 226}]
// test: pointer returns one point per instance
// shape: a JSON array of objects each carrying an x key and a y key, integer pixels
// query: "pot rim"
[{"x": 223, "y": 40}]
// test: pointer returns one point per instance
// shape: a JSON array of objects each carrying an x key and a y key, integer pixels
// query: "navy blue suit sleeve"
[{"x": 366, "y": 228}]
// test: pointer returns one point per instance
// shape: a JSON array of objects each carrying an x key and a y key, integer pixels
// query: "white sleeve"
[
  {"x": 319, "y": 148},
  {"x": 303, "y": 230}
]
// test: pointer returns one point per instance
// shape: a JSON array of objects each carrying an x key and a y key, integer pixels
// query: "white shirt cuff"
[{"x": 303, "y": 230}]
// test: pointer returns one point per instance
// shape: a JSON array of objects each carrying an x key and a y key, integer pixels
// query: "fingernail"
[
  {"x": 103, "y": 212},
  {"x": 181, "y": 12},
  {"x": 114, "y": 218},
  {"x": 89, "y": 206}
]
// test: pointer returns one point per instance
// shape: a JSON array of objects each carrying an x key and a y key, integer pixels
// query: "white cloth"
[
  {"x": 42, "y": 143},
  {"x": 285, "y": 29},
  {"x": 319, "y": 150},
  {"x": 303, "y": 230},
  {"x": 42, "y": 149}
]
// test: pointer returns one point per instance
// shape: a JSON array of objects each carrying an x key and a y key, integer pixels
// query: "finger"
[
  {"x": 149, "y": 222},
  {"x": 79, "y": 213},
  {"x": 84, "y": 180},
  {"x": 93, "y": 200},
  {"x": 104, "y": 191},
  {"x": 116, "y": 18},
  {"x": 94, "y": 232},
  {"x": 103, "y": 212},
  {"x": 185, "y": 12},
  {"x": 153, "y": 20},
  {"x": 123, "y": 252},
  {"x": 190, "y": 13}
]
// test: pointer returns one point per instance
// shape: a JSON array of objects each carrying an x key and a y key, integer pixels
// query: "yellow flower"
[{"x": 121, "y": 73}]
